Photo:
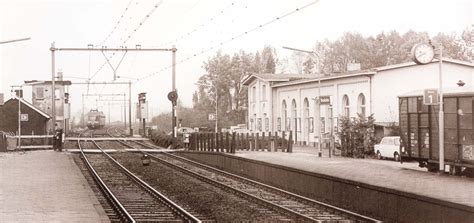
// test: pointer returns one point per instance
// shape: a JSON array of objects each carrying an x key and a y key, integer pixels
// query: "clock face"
[{"x": 423, "y": 53}]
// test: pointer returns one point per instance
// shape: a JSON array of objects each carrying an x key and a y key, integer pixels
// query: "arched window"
[
  {"x": 306, "y": 119},
  {"x": 293, "y": 108},
  {"x": 254, "y": 122},
  {"x": 345, "y": 105},
  {"x": 361, "y": 104},
  {"x": 293, "y": 114},
  {"x": 284, "y": 115},
  {"x": 306, "y": 108}
]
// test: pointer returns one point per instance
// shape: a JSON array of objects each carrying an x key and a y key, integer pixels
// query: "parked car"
[{"x": 389, "y": 147}]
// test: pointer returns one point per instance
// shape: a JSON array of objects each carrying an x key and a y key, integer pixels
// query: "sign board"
[
  {"x": 144, "y": 110},
  {"x": 325, "y": 100},
  {"x": 430, "y": 97},
  {"x": 24, "y": 117},
  {"x": 212, "y": 117},
  {"x": 137, "y": 111}
]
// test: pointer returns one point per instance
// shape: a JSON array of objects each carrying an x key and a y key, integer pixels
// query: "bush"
[
  {"x": 163, "y": 140},
  {"x": 357, "y": 136}
]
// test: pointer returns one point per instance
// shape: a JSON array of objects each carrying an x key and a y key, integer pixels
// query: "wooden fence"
[
  {"x": 3, "y": 141},
  {"x": 231, "y": 142},
  {"x": 30, "y": 142}
]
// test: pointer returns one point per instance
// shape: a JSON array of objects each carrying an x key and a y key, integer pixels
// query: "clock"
[{"x": 423, "y": 53}]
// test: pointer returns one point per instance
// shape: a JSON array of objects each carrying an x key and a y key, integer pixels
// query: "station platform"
[
  {"x": 45, "y": 186},
  {"x": 405, "y": 177},
  {"x": 383, "y": 189}
]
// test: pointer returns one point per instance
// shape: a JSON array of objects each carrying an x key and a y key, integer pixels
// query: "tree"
[
  {"x": 383, "y": 49},
  {"x": 226, "y": 74},
  {"x": 308, "y": 66}
]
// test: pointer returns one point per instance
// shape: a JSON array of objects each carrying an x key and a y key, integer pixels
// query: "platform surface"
[
  {"x": 45, "y": 186},
  {"x": 406, "y": 177}
]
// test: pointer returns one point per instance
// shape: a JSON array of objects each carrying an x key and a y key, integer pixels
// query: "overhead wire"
[
  {"x": 232, "y": 38},
  {"x": 130, "y": 35},
  {"x": 116, "y": 25},
  {"x": 200, "y": 26}
]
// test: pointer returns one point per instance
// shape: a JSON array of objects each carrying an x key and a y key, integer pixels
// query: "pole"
[
  {"x": 53, "y": 93},
  {"x": 173, "y": 88},
  {"x": 441, "y": 112},
  {"x": 109, "y": 111},
  {"x": 144, "y": 133},
  {"x": 217, "y": 106},
  {"x": 19, "y": 122},
  {"x": 318, "y": 100},
  {"x": 130, "y": 107},
  {"x": 318, "y": 115},
  {"x": 125, "y": 110},
  {"x": 83, "y": 121}
]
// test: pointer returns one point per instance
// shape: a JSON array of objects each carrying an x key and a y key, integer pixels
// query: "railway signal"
[{"x": 143, "y": 110}]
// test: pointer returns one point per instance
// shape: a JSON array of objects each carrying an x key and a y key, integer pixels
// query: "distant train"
[{"x": 95, "y": 119}]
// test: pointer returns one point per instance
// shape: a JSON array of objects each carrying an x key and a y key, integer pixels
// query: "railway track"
[
  {"x": 132, "y": 199},
  {"x": 301, "y": 208}
]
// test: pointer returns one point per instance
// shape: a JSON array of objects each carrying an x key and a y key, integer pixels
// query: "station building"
[
  {"x": 33, "y": 120},
  {"x": 286, "y": 102},
  {"x": 39, "y": 111}
]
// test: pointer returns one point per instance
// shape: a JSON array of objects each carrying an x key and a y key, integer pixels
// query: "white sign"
[
  {"x": 430, "y": 97},
  {"x": 144, "y": 110},
  {"x": 24, "y": 117},
  {"x": 325, "y": 100},
  {"x": 212, "y": 117}
]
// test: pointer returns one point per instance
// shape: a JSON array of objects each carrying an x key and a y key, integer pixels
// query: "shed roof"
[
  {"x": 36, "y": 82},
  {"x": 24, "y": 102},
  {"x": 458, "y": 91}
]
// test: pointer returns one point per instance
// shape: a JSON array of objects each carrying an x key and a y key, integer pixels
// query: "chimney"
[
  {"x": 353, "y": 67},
  {"x": 60, "y": 75},
  {"x": 19, "y": 93}
]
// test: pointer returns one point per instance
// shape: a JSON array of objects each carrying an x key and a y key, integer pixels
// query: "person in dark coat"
[{"x": 58, "y": 138}]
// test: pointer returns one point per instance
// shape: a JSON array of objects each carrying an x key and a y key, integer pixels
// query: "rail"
[
  {"x": 175, "y": 207},
  {"x": 252, "y": 182},
  {"x": 115, "y": 203}
]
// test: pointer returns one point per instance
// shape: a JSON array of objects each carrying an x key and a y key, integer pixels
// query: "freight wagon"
[{"x": 419, "y": 124}]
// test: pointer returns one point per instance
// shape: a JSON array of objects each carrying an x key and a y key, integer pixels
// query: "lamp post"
[
  {"x": 217, "y": 104},
  {"x": 318, "y": 102},
  {"x": 441, "y": 111},
  {"x": 14, "y": 40},
  {"x": 20, "y": 87},
  {"x": 19, "y": 98}
]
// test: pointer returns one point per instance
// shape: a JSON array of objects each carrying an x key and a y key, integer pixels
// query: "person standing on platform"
[{"x": 58, "y": 138}]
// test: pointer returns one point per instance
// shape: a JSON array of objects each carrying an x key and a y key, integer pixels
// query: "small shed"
[{"x": 34, "y": 121}]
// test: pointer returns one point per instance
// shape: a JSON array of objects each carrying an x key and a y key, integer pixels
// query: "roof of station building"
[
  {"x": 293, "y": 79},
  {"x": 277, "y": 77}
]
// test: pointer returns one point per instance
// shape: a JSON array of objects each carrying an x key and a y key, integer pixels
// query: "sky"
[{"x": 197, "y": 28}]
